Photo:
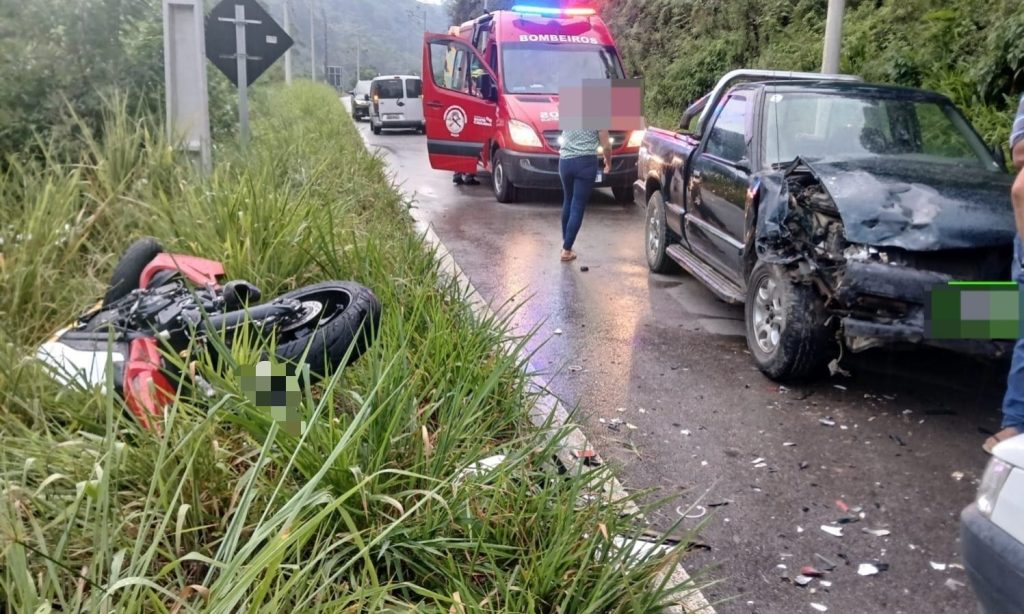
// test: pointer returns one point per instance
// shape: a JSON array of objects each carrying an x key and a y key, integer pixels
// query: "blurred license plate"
[{"x": 392, "y": 116}]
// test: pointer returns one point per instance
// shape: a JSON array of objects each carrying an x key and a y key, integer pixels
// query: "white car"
[
  {"x": 992, "y": 532},
  {"x": 396, "y": 102}
]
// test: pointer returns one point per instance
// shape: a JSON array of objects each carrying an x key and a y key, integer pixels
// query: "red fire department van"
[{"x": 490, "y": 96}]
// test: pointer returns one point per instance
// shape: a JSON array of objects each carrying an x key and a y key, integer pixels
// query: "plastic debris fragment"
[
  {"x": 827, "y": 421},
  {"x": 876, "y": 532},
  {"x": 819, "y": 607},
  {"x": 937, "y": 566},
  {"x": 866, "y": 569},
  {"x": 834, "y": 531}
]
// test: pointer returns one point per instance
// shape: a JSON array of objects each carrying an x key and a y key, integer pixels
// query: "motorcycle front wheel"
[{"x": 336, "y": 316}]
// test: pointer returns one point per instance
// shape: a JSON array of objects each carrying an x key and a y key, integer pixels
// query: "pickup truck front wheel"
[
  {"x": 787, "y": 329},
  {"x": 656, "y": 236}
]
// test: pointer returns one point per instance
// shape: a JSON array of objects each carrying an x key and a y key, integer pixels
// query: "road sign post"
[
  {"x": 188, "y": 112},
  {"x": 243, "y": 40}
]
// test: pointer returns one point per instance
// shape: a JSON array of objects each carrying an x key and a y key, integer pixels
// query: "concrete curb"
[{"x": 548, "y": 409}]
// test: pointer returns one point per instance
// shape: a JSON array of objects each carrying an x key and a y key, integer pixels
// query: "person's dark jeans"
[
  {"x": 578, "y": 176},
  {"x": 1013, "y": 402}
]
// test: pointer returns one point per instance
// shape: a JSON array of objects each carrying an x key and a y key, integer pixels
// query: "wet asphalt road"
[{"x": 662, "y": 354}]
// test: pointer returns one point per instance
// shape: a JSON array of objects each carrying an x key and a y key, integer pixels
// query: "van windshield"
[{"x": 542, "y": 68}]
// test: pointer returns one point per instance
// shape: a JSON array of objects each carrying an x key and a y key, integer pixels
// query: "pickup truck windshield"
[
  {"x": 819, "y": 126},
  {"x": 541, "y": 68}
]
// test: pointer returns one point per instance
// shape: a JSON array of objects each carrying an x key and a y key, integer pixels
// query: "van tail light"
[{"x": 991, "y": 483}]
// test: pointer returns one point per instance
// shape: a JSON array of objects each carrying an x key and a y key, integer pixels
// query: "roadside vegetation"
[
  {"x": 224, "y": 511},
  {"x": 970, "y": 50}
]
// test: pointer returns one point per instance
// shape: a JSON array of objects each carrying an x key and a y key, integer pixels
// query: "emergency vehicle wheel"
[
  {"x": 374, "y": 127},
  {"x": 504, "y": 191}
]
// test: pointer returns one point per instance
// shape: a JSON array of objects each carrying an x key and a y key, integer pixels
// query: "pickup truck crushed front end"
[{"x": 874, "y": 246}]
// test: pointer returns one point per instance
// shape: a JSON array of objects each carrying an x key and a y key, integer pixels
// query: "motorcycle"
[{"x": 177, "y": 301}]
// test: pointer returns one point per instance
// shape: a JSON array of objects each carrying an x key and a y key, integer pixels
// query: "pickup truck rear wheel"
[
  {"x": 656, "y": 236},
  {"x": 504, "y": 191},
  {"x": 787, "y": 330}
]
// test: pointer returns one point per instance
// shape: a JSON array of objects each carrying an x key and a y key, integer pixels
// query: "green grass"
[{"x": 225, "y": 512}]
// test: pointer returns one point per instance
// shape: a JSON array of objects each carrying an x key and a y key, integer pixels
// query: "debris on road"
[
  {"x": 584, "y": 268},
  {"x": 952, "y": 584},
  {"x": 937, "y": 566},
  {"x": 819, "y": 607},
  {"x": 558, "y": 331},
  {"x": 843, "y": 507},
  {"x": 575, "y": 368},
  {"x": 866, "y": 569},
  {"x": 834, "y": 369},
  {"x": 685, "y": 432},
  {"x": 957, "y": 475},
  {"x": 834, "y": 531},
  {"x": 695, "y": 511},
  {"x": 876, "y": 532},
  {"x": 802, "y": 580},
  {"x": 788, "y": 444},
  {"x": 757, "y": 460},
  {"x": 827, "y": 421},
  {"x": 630, "y": 426},
  {"x": 839, "y": 387},
  {"x": 809, "y": 570},
  {"x": 829, "y": 565}
]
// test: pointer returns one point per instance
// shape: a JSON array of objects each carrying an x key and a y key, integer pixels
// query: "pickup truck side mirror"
[
  {"x": 743, "y": 164},
  {"x": 997, "y": 152}
]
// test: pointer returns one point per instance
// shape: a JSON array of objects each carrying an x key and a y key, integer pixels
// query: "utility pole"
[
  {"x": 323, "y": 18},
  {"x": 312, "y": 44},
  {"x": 833, "y": 37},
  {"x": 287, "y": 54},
  {"x": 359, "y": 72}
]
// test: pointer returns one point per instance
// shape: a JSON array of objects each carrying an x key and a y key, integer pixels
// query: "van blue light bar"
[{"x": 553, "y": 12}]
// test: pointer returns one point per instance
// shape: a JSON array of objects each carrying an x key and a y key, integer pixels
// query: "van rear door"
[
  {"x": 388, "y": 99},
  {"x": 459, "y": 103},
  {"x": 414, "y": 99}
]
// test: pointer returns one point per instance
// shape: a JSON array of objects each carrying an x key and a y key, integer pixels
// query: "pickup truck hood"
[{"x": 919, "y": 206}]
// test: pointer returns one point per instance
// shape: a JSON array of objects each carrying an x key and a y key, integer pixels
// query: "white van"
[{"x": 396, "y": 102}]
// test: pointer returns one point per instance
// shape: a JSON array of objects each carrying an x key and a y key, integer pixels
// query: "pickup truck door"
[
  {"x": 719, "y": 177},
  {"x": 460, "y": 119}
]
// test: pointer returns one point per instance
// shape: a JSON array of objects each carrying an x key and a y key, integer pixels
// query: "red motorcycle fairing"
[
  {"x": 199, "y": 271},
  {"x": 146, "y": 390}
]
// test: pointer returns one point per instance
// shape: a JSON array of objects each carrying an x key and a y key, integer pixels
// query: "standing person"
[
  {"x": 1013, "y": 402},
  {"x": 577, "y": 167}
]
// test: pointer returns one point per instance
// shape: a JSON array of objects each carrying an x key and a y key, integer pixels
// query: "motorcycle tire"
[
  {"x": 342, "y": 315},
  {"x": 129, "y": 269}
]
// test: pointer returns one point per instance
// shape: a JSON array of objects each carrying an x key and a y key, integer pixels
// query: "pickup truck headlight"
[
  {"x": 523, "y": 134},
  {"x": 636, "y": 138},
  {"x": 991, "y": 483}
]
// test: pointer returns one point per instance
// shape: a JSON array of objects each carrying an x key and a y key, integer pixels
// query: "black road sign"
[{"x": 265, "y": 41}]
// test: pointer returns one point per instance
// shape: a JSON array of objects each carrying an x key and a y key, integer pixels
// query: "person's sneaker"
[{"x": 457, "y": 179}]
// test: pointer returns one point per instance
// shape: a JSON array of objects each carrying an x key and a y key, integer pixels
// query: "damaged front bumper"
[{"x": 887, "y": 304}]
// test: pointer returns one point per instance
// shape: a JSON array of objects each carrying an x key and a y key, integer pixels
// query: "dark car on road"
[
  {"x": 361, "y": 100},
  {"x": 829, "y": 207}
]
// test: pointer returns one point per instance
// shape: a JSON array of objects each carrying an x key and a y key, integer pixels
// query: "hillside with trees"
[{"x": 971, "y": 50}]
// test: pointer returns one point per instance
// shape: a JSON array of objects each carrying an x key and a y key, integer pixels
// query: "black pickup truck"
[{"x": 829, "y": 207}]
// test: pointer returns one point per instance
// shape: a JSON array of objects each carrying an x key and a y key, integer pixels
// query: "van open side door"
[{"x": 459, "y": 103}]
